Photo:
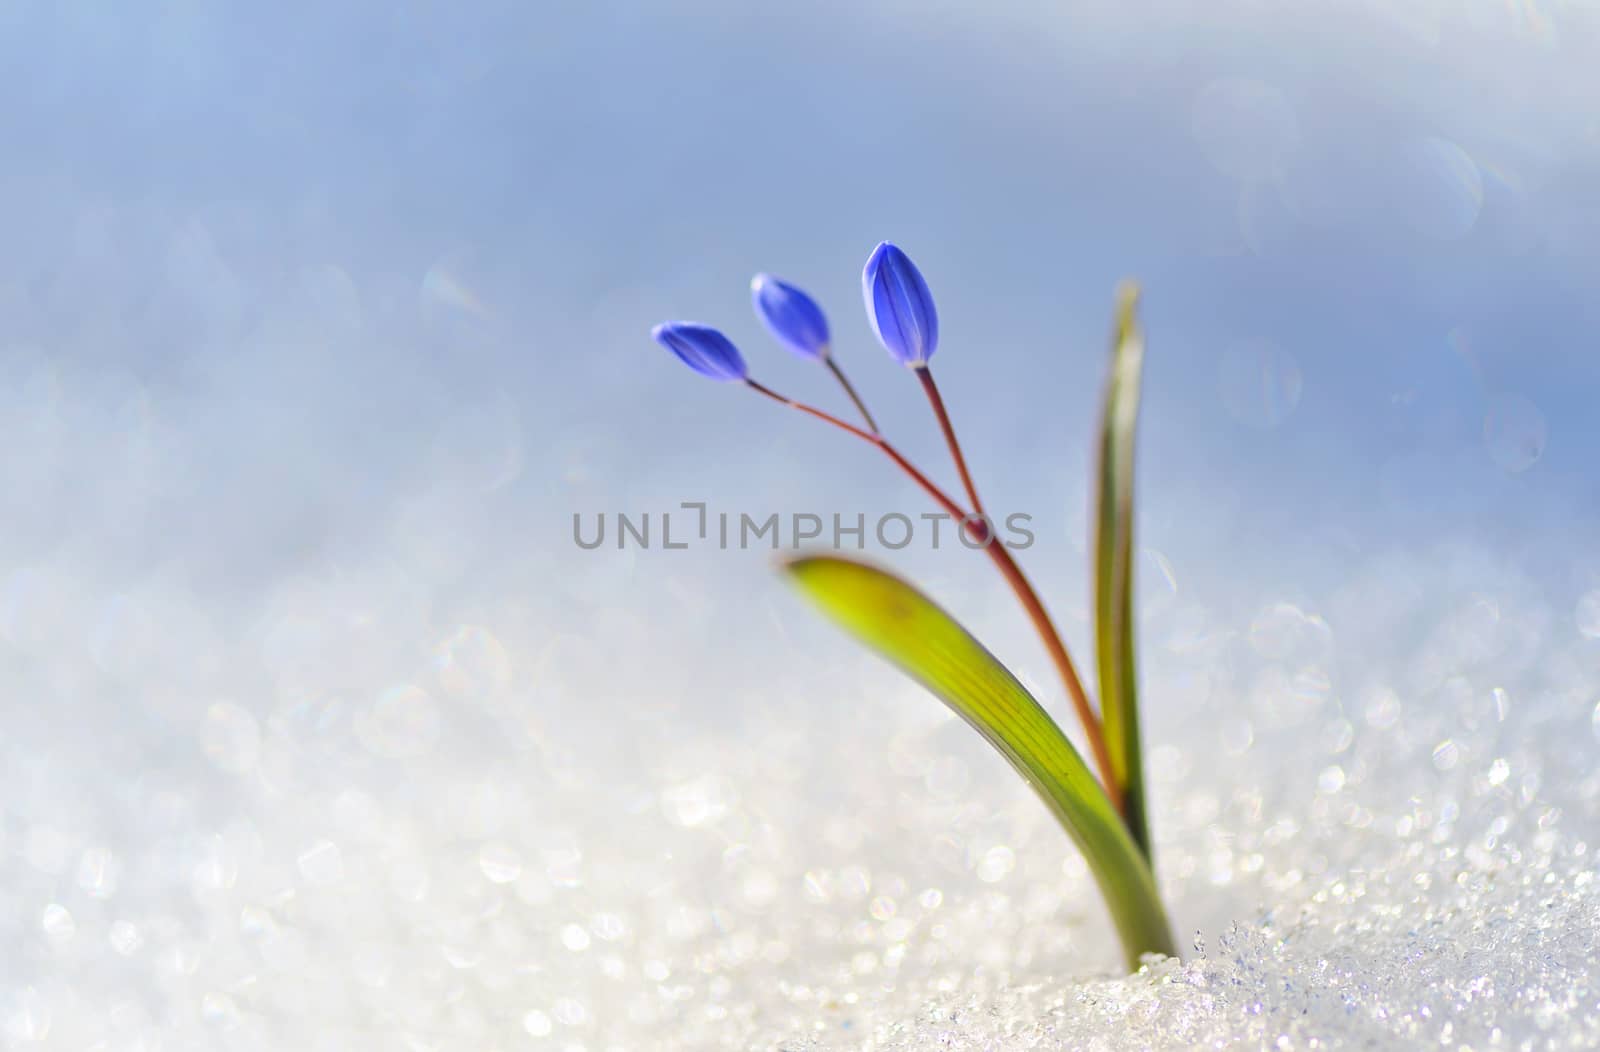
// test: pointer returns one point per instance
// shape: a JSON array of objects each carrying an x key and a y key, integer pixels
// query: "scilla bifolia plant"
[{"x": 1105, "y": 817}]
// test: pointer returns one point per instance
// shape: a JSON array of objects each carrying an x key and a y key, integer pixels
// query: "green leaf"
[
  {"x": 908, "y": 629},
  {"x": 1113, "y": 567}
]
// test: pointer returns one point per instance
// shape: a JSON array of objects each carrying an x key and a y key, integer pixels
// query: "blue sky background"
[{"x": 315, "y": 313}]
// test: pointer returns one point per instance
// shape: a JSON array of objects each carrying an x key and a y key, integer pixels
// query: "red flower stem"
[
  {"x": 1063, "y": 661},
  {"x": 939, "y": 496},
  {"x": 979, "y": 527},
  {"x": 935, "y": 400},
  {"x": 849, "y": 389},
  {"x": 1028, "y": 597}
]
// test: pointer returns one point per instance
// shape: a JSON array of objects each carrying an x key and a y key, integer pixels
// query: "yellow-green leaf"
[
  {"x": 908, "y": 629},
  {"x": 1113, "y": 567}
]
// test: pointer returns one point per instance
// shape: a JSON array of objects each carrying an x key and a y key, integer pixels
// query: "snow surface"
[{"x": 1389, "y": 852}]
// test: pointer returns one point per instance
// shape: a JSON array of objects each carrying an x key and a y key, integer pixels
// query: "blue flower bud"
[
  {"x": 790, "y": 315},
  {"x": 900, "y": 305},
  {"x": 702, "y": 348}
]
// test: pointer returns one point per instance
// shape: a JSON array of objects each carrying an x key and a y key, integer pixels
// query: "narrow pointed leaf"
[
  {"x": 908, "y": 629},
  {"x": 1113, "y": 567}
]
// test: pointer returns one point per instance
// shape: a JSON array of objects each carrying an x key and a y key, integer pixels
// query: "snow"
[{"x": 1367, "y": 844}]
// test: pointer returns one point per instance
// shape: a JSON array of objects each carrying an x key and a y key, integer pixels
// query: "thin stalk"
[
  {"x": 937, "y": 401},
  {"x": 1064, "y": 667},
  {"x": 849, "y": 389},
  {"x": 939, "y": 496},
  {"x": 1001, "y": 556},
  {"x": 1029, "y": 598}
]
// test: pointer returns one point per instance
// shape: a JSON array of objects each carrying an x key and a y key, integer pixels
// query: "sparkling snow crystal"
[{"x": 1380, "y": 836}]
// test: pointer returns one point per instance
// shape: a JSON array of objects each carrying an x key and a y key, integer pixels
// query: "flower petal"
[
  {"x": 790, "y": 315},
  {"x": 703, "y": 349},
  {"x": 899, "y": 305}
]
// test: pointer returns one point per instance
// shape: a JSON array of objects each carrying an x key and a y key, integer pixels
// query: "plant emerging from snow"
[{"x": 1105, "y": 816}]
